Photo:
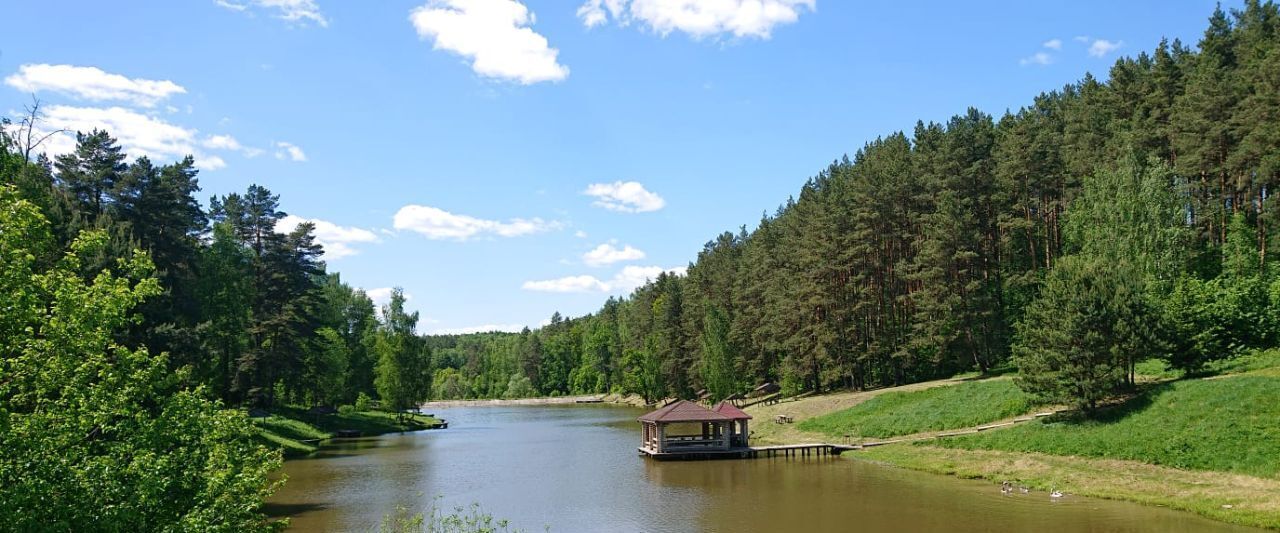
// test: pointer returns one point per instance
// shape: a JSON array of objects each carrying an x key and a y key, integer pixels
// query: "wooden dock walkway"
[{"x": 800, "y": 451}]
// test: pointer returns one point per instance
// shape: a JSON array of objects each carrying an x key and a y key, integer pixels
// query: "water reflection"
[{"x": 575, "y": 468}]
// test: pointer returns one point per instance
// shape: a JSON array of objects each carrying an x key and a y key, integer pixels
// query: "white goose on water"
[{"x": 1055, "y": 494}]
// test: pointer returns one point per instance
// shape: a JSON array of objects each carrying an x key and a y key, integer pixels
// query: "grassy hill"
[{"x": 903, "y": 413}]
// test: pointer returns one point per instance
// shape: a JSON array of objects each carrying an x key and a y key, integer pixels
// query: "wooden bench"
[{"x": 782, "y": 419}]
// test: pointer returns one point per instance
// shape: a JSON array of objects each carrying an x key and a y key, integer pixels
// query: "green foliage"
[
  {"x": 1134, "y": 214},
  {"x": 95, "y": 434},
  {"x": 718, "y": 374},
  {"x": 520, "y": 387},
  {"x": 471, "y": 519},
  {"x": 1227, "y": 425},
  {"x": 904, "y": 413},
  {"x": 403, "y": 360},
  {"x": 327, "y": 368},
  {"x": 363, "y": 402},
  {"x": 1077, "y": 342}
]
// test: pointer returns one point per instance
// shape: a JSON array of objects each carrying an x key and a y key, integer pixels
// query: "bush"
[
  {"x": 363, "y": 402},
  {"x": 347, "y": 410}
]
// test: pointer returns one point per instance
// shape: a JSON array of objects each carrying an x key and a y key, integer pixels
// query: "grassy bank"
[
  {"x": 1229, "y": 424},
  {"x": 903, "y": 413},
  {"x": 1234, "y": 498},
  {"x": 299, "y": 433}
]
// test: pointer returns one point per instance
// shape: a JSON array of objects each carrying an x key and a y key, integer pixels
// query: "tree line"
[
  {"x": 247, "y": 304},
  {"x": 1105, "y": 222},
  {"x": 135, "y": 321}
]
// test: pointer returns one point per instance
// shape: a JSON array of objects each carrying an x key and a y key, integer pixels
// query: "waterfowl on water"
[
  {"x": 1055, "y": 494},
  {"x": 1024, "y": 489},
  {"x": 1006, "y": 487}
]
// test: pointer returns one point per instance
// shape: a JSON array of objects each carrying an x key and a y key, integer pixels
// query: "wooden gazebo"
[{"x": 683, "y": 427}]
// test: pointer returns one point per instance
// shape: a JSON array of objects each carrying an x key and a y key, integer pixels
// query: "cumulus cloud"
[
  {"x": 698, "y": 18},
  {"x": 624, "y": 281},
  {"x": 296, "y": 11},
  {"x": 495, "y": 35},
  {"x": 92, "y": 83},
  {"x": 628, "y": 197},
  {"x": 438, "y": 224},
  {"x": 138, "y": 134},
  {"x": 337, "y": 240},
  {"x": 1038, "y": 58},
  {"x": 1053, "y": 44},
  {"x": 607, "y": 254},
  {"x": 290, "y": 151},
  {"x": 382, "y": 295},
  {"x": 221, "y": 142},
  {"x": 1102, "y": 47},
  {"x": 583, "y": 283}
]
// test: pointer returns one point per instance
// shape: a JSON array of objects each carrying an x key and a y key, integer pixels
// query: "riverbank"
[
  {"x": 1206, "y": 445},
  {"x": 299, "y": 433},
  {"x": 621, "y": 399}
]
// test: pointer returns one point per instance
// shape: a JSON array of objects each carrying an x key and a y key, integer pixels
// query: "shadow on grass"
[
  {"x": 1112, "y": 413},
  {"x": 992, "y": 373}
]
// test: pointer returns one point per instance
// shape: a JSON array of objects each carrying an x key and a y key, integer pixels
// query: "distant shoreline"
[{"x": 551, "y": 400}]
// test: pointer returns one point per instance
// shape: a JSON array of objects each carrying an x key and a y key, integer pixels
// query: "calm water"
[{"x": 575, "y": 468}]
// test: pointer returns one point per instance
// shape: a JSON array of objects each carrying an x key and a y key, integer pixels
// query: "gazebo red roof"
[
  {"x": 684, "y": 411},
  {"x": 731, "y": 411}
]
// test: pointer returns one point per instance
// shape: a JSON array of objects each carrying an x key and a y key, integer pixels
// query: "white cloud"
[
  {"x": 92, "y": 83},
  {"x": 381, "y": 296},
  {"x": 1081, "y": 38},
  {"x": 221, "y": 142},
  {"x": 436, "y": 223},
  {"x": 138, "y": 134},
  {"x": 580, "y": 234},
  {"x": 1038, "y": 58},
  {"x": 628, "y": 197},
  {"x": 582, "y": 283},
  {"x": 336, "y": 240},
  {"x": 1102, "y": 47},
  {"x": 211, "y": 162},
  {"x": 299, "y": 11},
  {"x": 290, "y": 151},
  {"x": 698, "y": 18},
  {"x": 624, "y": 281},
  {"x": 1053, "y": 44},
  {"x": 607, "y": 254},
  {"x": 495, "y": 35}
]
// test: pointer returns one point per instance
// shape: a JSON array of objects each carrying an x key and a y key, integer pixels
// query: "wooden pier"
[{"x": 797, "y": 451}]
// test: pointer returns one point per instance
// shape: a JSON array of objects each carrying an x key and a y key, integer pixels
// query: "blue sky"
[{"x": 449, "y": 146}]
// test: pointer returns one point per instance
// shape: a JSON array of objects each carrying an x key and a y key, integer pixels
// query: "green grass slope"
[
  {"x": 1227, "y": 424},
  {"x": 903, "y": 413}
]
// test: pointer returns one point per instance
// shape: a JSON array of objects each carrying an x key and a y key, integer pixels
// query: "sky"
[{"x": 501, "y": 160}]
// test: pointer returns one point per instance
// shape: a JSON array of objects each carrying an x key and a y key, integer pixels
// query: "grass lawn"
[
  {"x": 903, "y": 413},
  {"x": 298, "y": 432},
  {"x": 1227, "y": 424}
]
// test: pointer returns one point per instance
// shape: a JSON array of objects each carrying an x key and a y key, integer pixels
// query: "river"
[{"x": 574, "y": 468}]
